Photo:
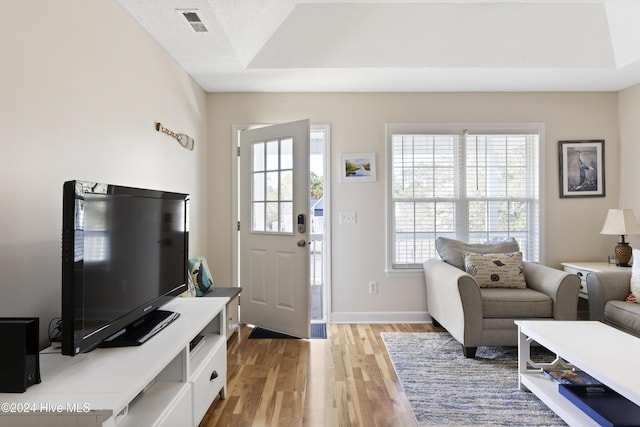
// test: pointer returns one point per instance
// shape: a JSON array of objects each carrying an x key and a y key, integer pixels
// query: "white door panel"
[{"x": 274, "y": 254}]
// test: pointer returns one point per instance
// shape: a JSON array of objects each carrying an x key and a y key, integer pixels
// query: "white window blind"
[{"x": 467, "y": 185}]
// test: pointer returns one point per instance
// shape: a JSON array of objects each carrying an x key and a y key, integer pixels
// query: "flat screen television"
[{"x": 124, "y": 255}]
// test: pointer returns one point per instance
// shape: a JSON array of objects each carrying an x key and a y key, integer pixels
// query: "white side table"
[{"x": 581, "y": 269}]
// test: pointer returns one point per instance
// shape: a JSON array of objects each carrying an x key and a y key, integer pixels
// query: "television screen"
[{"x": 124, "y": 255}]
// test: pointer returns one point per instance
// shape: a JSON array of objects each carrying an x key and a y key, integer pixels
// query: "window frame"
[{"x": 456, "y": 129}]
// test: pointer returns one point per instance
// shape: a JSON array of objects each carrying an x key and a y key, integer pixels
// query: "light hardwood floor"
[{"x": 344, "y": 380}]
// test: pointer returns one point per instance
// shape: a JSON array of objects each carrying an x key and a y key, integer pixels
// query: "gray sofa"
[
  {"x": 607, "y": 293},
  {"x": 477, "y": 316}
]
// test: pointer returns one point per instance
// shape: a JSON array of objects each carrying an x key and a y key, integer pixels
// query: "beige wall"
[
  {"x": 357, "y": 125},
  {"x": 629, "y": 114},
  {"x": 82, "y": 85}
]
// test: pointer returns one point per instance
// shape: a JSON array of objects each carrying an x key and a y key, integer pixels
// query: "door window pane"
[
  {"x": 286, "y": 217},
  {"x": 286, "y": 185},
  {"x": 258, "y": 186},
  {"x": 272, "y": 216},
  {"x": 272, "y": 186},
  {"x": 258, "y": 156},
  {"x": 257, "y": 223},
  {"x": 272, "y": 155},
  {"x": 286, "y": 154}
]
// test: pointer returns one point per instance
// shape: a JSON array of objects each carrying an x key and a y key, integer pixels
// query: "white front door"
[{"x": 274, "y": 227}]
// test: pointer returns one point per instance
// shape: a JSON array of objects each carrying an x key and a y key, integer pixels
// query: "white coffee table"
[{"x": 607, "y": 354}]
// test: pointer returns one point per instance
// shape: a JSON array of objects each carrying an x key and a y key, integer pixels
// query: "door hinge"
[
  {"x": 238, "y": 225},
  {"x": 238, "y": 151}
]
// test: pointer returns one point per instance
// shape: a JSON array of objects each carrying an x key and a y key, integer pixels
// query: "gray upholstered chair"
[
  {"x": 477, "y": 316},
  {"x": 608, "y": 291}
]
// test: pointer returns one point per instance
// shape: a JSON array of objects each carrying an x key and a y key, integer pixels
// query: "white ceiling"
[{"x": 402, "y": 45}]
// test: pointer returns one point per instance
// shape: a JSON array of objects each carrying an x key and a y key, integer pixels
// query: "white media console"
[{"x": 160, "y": 383}]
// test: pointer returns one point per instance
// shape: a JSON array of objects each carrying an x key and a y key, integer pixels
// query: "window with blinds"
[{"x": 467, "y": 185}]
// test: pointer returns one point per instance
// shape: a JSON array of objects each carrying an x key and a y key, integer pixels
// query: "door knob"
[{"x": 302, "y": 243}]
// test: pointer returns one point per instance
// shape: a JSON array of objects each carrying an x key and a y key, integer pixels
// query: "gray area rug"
[{"x": 446, "y": 389}]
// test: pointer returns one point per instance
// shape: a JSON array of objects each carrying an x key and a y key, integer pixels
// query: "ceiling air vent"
[{"x": 194, "y": 20}]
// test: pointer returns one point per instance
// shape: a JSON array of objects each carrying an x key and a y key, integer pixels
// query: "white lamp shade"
[{"x": 620, "y": 222}]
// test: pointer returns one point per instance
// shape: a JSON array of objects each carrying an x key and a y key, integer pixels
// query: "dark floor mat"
[
  {"x": 318, "y": 330},
  {"x": 260, "y": 333}
]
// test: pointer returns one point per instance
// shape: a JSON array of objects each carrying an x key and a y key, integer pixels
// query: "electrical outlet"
[
  {"x": 347, "y": 217},
  {"x": 373, "y": 287}
]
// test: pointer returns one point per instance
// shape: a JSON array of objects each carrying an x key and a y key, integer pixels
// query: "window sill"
[{"x": 404, "y": 272}]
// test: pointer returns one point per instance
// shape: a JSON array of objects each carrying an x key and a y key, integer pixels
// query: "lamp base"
[{"x": 623, "y": 254}]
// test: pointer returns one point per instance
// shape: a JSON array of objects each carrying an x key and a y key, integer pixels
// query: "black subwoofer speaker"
[{"x": 19, "y": 361}]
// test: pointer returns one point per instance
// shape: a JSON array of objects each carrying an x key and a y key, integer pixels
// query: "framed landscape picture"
[
  {"x": 358, "y": 167},
  {"x": 581, "y": 168}
]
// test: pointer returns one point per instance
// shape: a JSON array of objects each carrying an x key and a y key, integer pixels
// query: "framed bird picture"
[{"x": 581, "y": 168}]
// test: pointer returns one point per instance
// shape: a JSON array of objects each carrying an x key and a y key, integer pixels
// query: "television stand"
[
  {"x": 162, "y": 383},
  {"x": 141, "y": 330}
]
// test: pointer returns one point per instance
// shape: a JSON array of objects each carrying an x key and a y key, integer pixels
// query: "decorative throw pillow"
[
  {"x": 496, "y": 270},
  {"x": 635, "y": 276},
  {"x": 452, "y": 251},
  {"x": 201, "y": 275}
]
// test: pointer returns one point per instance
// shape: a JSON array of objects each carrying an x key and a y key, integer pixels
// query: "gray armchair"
[
  {"x": 477, "y": 316},
  {"x": 607, "y": 293}
]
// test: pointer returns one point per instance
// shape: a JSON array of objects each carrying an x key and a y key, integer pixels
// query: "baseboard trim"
[{"x": 381, "y": 317}]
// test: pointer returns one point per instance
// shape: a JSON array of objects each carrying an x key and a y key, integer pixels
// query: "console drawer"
[
  {"x": 582, "y": 274},
  {"x": 209, "y": 379}
]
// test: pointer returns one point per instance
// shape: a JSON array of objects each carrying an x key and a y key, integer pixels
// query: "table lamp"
[{"x": 621, "y": 222}]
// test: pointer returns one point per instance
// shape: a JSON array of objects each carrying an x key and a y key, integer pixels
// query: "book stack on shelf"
[{"x": 602, "y": 404}]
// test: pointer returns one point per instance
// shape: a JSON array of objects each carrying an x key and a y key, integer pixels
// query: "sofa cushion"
[
  {"x": 515, "y": 303},
  {"x": 496, "y": 270},
  {"x": 625, "y": 315},
  {"x": 452, "y": 251}
]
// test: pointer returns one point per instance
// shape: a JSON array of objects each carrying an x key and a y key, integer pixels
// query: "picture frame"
[
  {"x": 358, "y": 167},
  {"x": 581, "y": 168}
]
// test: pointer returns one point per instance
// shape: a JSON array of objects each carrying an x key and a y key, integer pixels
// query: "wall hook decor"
[{"x": 185, "y": 140}]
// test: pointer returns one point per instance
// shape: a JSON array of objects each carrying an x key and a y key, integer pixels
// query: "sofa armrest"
[
  {"x": 606, "y": 286},
  {"x": 561, "y": 286},
  {"x": 454, "y": 300}
]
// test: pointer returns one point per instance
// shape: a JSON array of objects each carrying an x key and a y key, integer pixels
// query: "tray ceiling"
[{"x": 463, "y": 45}]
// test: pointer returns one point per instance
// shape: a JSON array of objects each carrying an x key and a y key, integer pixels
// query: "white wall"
[
  {"x": 82, "y": 85},
  {"x": 629, "y": 112},
  {"x": 357, "y": 124}
]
